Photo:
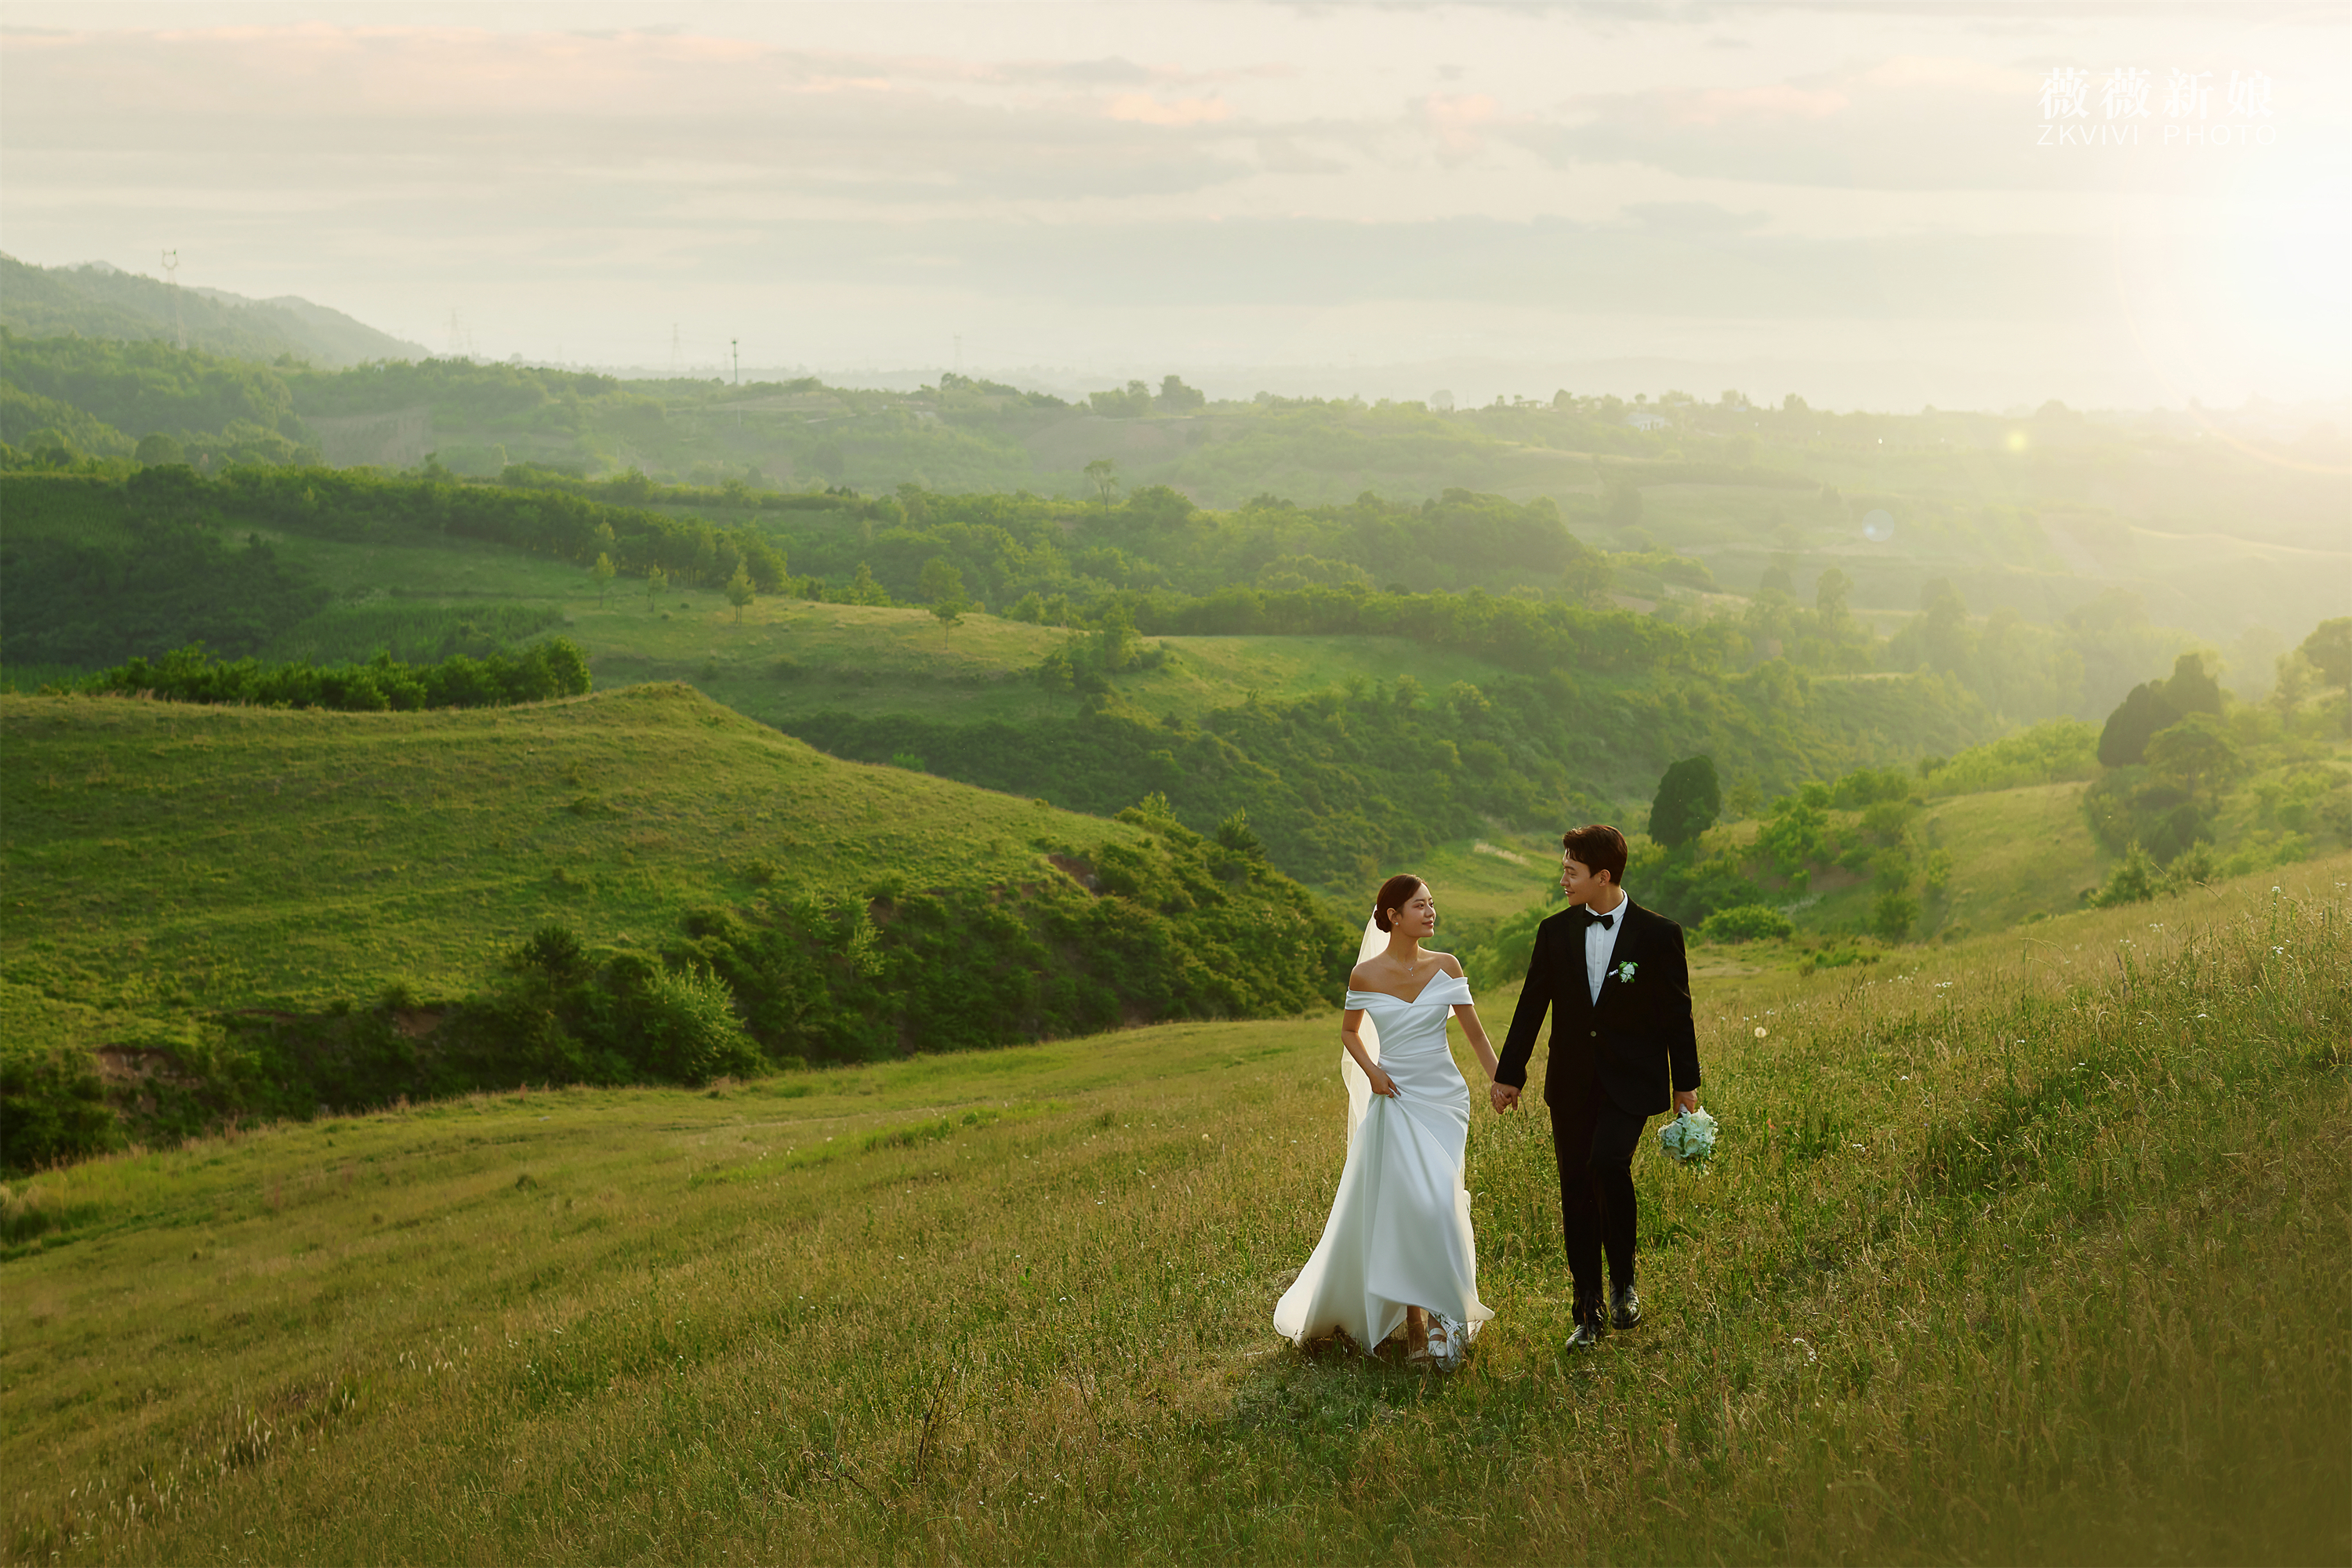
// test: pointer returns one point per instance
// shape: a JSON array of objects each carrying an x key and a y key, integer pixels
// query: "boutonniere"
[{"x": 1625, "y": 973}]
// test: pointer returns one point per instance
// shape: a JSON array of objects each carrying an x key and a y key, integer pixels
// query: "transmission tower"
[
  {"x": 676, "y": 366},
  {"x": 734, "y": 354},
  {"x": 171, "y": 270},
  {"x": 457, "y": 336}
]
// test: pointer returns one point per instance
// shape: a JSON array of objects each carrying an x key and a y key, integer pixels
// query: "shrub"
[
  {"x": 679, "y": 1025},
  {"x": 1892, "y": 916},
  {"x": 2130, "y": 806},
  {"x": 52, "y": 1108},
  {"x": 2135, "y": 880},
  {"x": 553, "y": 669},
  {"x": 1747, "y": 922}
]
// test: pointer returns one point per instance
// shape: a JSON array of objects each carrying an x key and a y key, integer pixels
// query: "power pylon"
[{"x": 171, "y": 270}]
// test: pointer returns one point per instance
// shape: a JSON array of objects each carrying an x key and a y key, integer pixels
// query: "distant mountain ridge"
[{"x": 96, "y": 300}]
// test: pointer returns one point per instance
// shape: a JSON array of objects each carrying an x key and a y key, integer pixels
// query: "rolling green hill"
[
  {"x": 2016, "y": 1252},
  {"x": 172, "y": 869},
  {"x": 103, "y": 302}
]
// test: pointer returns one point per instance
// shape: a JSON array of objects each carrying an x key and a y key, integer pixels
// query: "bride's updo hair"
[{"x": 1394, "y": 894}]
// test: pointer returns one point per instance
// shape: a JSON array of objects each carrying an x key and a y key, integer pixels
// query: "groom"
[{"x": 1613, "y": 977}]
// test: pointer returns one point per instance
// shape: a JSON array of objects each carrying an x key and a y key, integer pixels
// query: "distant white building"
[
  {"x": 1641, "y": 419},
  {"x": 1441, "y": 401}
]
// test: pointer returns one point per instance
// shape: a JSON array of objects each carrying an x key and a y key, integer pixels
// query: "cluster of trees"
[
  {"x": 2172, "y": 749},
  {"x": 542, "y": 671},
  {"x": 1155, "y": 540},
  {"x": 1344, "y": 782},
  {"x": 62, "y": 399},
  {"x": 1136, "y": 399},
  {"x": 87, "y": 580},
  {"x": 1859, "y": 823},
  {"x": 358, "y": 504}
]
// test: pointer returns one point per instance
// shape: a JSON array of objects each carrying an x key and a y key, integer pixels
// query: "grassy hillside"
[
  {"x": 183, "y": 877},
  {"x": 2018, "y": 1252},
  {"x": 232, "y": 856}
]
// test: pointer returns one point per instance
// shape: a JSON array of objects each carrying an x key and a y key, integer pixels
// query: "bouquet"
[{"x": 1688, "y": 1137}]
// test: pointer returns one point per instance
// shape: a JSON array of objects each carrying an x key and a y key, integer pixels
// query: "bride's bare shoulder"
[
  {"x": 1360, "y": 978},
  {"x": 1449, "y": 964}
]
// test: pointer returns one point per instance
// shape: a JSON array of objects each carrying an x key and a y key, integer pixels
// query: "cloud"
[
  {"x": 1459, "y": 122},
  {"x": 1142, "y": 108},
  {"x": 647, "y": 122},
  {"x": 1693, "y": 217}
]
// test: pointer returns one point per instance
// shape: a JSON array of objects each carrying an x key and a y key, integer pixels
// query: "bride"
[{"x": 1398, "y": 1247}]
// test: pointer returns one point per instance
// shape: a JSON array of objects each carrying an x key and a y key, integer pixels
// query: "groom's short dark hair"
[{"x": 1598, "y": 848}]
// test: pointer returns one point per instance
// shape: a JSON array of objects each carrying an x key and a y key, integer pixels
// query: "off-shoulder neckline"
[{"x": 1434, "y": 982}]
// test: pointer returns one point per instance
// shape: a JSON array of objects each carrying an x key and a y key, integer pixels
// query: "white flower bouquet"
[{"x": 1689, "y": 1137}]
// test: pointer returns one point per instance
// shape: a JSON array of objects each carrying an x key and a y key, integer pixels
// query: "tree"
[
  {"x": 155, "y": 450},
  {"x": 2295, "y": 677},
  {"x": 655, "y": 581},
  {"x": 1829, "y": 596},
  {"x": 1175, "y": 397},
  {"x": 1689, "y": 799},
  {"x": 2142, "y": 712},
  {"x": 739, "y": 592},
  {"x": 603, "y": 572},
  {"x": 2193, "y": 689},
  {"x": 942, "y": 586},
  {"x": 1944, "y": 626},
  {"x": 2329, "y": 649},
  {"x": 940, "y": 579},
  {"x": 1104, "y": 475},
  {"x": 2196, "y": 751}
]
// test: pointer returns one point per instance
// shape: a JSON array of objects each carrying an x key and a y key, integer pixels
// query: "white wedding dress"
[{"x": 1398, "y": 1235}]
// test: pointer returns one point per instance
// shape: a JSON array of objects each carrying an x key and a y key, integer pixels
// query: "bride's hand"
[{"x": 1383, "y": 1083}]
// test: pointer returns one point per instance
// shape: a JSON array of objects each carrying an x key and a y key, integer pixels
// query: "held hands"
[{"x": 1502, "y": 1096}]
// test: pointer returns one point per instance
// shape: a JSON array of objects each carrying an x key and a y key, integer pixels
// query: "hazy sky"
[{"x": 1855, "y": 202}]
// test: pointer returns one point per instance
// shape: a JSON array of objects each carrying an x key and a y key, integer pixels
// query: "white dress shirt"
[{"x": 1599, "y": 943}]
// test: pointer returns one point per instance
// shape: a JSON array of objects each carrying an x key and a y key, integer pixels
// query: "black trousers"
[{"x": 1594, "y": 1141}]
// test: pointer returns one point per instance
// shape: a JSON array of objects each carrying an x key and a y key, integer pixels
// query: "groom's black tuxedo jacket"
[{"x": 1636, "y": 1044}]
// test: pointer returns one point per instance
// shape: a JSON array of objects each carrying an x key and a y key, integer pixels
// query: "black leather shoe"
[
  {"x": 1625, "y": 1307},
  {"x": 1587, "y": 1335}
]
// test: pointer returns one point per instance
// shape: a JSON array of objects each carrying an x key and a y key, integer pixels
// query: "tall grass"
[{"x": 2035, "y": 1252}]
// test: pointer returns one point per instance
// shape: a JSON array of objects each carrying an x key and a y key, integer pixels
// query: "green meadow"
[
  {"x": 166, "y": 856},
  {"x": 2029, "y": 1249}
]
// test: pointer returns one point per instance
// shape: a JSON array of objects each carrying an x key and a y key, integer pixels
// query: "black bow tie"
[{"x": 1604, "y": 921}]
